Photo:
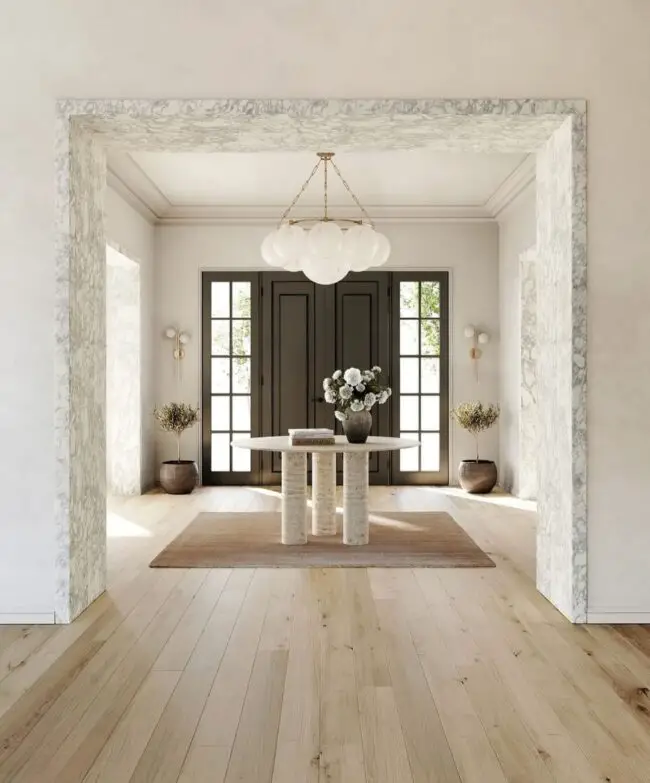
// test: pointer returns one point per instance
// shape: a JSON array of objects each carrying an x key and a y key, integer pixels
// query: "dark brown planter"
[
  {"x": 478, "y": 477},
  {"x": 178, "y": 478},
  {"x": 357, "y": 426}
]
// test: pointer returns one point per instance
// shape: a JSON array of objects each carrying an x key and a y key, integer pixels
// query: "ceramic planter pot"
[
  {"x": 357, "y": 426},
  {"x": 478, "y": 477},
  {"x": 178, "y": 478}
]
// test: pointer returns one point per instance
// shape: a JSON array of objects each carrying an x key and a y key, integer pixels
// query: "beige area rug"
[{"x": 397, "y": 540}]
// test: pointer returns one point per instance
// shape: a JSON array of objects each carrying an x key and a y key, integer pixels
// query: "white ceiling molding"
[
  {"x": 513, "y": 185},
  {"x": 242, "y": 215},
  {"x": 125, "y": 176}
]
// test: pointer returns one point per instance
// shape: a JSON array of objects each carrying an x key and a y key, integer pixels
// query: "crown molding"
[
  {"x": 513, "y": 185},
  {"x": 248, "y": 215},
  {"x": 124, "y": 175}
]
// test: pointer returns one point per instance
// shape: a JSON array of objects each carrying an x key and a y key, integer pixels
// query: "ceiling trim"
[
  {"x": 128, "y": 175},
  {"x": 512, "y": 186},
  {"x": 243, "y": 215}
]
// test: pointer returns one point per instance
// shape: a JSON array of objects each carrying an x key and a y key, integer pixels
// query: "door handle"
[{"x": 318, "y": 399}]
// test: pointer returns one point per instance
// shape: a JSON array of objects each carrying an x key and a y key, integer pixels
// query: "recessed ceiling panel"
[{"x": 416, "y": 177}]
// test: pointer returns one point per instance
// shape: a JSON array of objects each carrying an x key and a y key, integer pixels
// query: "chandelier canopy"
[{"x": 330, "y": 247}]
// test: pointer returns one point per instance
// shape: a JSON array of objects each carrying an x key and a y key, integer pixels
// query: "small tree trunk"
[
  {"x": 179, "y": 446},
  {"x": 476, "y": 436}
]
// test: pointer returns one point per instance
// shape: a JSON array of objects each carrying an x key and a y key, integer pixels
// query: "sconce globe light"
[
  {"x": 183, "y": 338},
  {"x": 483, "y": 338},
  {"x": 330, "y": 247},
  {"x": 170, "y": 333},
  {"x": 469, "y": 331}
]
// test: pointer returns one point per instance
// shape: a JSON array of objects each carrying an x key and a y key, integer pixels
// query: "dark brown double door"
[
  {"x": 308, "y": 331},
  {"x": 269, "y": 339}
]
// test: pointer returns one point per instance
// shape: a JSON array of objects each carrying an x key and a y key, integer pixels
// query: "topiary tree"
[
  {"x": 475, "y": 418},
  {"x": 176, "y": 417}
]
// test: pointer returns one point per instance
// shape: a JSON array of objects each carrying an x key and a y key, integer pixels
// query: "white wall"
[
  {"x": 505, "y": 48},
  {"x": 517, "y": 234},
  {"x": 132, "y": 235},
  {"x": 467, "y": 250}
]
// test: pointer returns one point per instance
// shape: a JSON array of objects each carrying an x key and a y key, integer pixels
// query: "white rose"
[
  {"x": 376, "y": 369},
  {"x": 339, "y": 415},
  {"x": 360, "y": 387},
  {"x": 327, "y": 383},
  {"x": 356, "y": 406},
  {"x": 345, "y": 392},
  {"x": 352, "y": 376},
  {"x": 383, "y": 397},
  {"x": 369, "y": 400},
  {"x": 368, "y": 376},
  {"x": 389, "y": 391},
  {"x": 336, "y": 375},
  {"x": 330, "y": 396}
]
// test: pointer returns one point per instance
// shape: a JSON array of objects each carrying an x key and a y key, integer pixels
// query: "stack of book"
[{"x": 313, "y": 437}]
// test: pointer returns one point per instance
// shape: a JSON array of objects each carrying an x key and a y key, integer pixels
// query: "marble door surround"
[{"x": 553, "y": 129}]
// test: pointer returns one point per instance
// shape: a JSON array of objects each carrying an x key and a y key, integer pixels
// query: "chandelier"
[{"x": 327, "y": 249}]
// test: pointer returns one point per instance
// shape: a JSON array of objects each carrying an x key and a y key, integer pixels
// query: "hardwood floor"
[{"x": 315, "y": 676}]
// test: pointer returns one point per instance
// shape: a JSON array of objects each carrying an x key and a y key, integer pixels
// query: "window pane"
[
  {"x": 408, "y": 300},
  {"x": 241, "y": 375},
  {"x": 429, "y": 299},
  {"x": 220, "y": 456},
  {"x": 241, "y": 300},
  {"x": 409, "y": 376},
  {"x": 220, "y": 376},
  {"x": 431, "y": 375},
  {"x": 408, "y": 413},
  {"x": 430, "y": 333},
  {"x": 241, "y": 413},
  {"x": 408, "y": 458},
  {"x": 220, "y": 300},
  {"x": 220, "y": 338},
  {"x": 220, "y": 413},
  {"x": 241, "y": 338},
  {"x": 430, "y": 450},
  {"x": 241, "y": 458},
  {"x": 430, "y": 413},
  {"x": 408, "y": 337}
]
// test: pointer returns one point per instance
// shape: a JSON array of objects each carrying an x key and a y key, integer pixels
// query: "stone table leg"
[
  {"x": 355, "y": 497},
  {"x": 323, "y": 479},
  {"x": 294, "y": 498}
]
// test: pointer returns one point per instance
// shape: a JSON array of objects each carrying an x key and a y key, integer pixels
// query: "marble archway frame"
[{"x": 554, "y": 129}]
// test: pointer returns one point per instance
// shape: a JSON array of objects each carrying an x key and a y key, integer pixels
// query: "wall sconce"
[
  {"x": 180, "y": 339},
  {"x": 477, "y": 338}
]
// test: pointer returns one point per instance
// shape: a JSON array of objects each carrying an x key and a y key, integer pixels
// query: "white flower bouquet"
[{"x": 355, "y": 390}]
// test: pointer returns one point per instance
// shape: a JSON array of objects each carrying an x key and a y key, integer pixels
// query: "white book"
[{"x": 311, "y": 433}]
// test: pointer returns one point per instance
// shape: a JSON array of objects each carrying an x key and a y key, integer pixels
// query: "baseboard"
[
  {"x": 27, "y": 618},
  {"x": 599, "y": 616}
]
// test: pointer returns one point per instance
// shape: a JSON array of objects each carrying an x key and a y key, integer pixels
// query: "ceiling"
[{"x": 412, "y": 182}]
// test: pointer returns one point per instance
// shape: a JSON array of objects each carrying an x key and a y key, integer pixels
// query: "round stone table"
[{"x": 294, "y": 484}]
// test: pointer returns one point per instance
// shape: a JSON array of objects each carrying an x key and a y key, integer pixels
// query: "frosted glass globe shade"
[
  {"x": 382, "y": 250},
  {"x": 483, "y": 338},
  {"x": 325, "y": 271},
  {"x": 293, "y": 266},
  {"x": 183, "y": 338},
  {"x": 289, "y": 243},
  {"x": 170, "y": 332},
  {"x": 268, "y": 251},
  {"x": 360, "y": 245},
  {"x": 324, "y": 240},
  {"x": 469, "y": 331}
]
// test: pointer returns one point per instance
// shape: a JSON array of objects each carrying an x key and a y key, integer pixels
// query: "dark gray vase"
[
  {"x": 357, "y": 426},
  {"x": 477, "y": 476},
  {"x": 178, "y": 478}
]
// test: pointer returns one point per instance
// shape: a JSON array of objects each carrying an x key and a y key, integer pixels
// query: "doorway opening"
[
  {"x": 123, "y": 397},
  {"x": 553, "y": 129}
]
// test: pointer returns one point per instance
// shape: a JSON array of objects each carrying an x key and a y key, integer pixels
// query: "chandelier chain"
[
  {"x": 324, "y": 159},
  {"x": 349, "y": 189},
  {"x": 286, "y": 212}
]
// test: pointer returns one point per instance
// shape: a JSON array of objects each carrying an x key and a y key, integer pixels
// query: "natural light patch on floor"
[
  {"x": 496, "y": 498},
  {"x": 119, "y": 527}
]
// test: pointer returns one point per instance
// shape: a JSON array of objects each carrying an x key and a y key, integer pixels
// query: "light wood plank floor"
[{"x": 314, "y": 676}]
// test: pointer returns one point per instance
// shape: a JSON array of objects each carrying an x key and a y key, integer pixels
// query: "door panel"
[
  {"x": 289, "y": 339},
  {"x": 362, "y": 328}
]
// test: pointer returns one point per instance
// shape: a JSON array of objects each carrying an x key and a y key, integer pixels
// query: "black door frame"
[
  {"x": 429, "y": 478},
  {"x": 261, "y": 355}
]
